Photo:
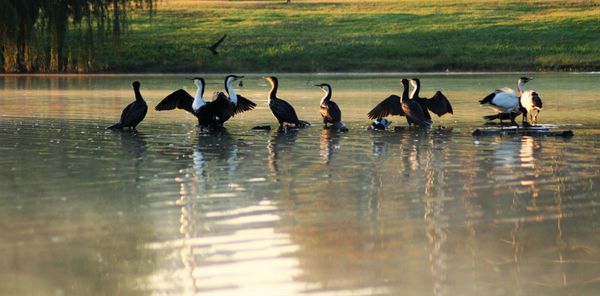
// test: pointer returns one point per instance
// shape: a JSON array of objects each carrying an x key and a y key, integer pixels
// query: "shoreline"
[{"x": 259, "y": 74}]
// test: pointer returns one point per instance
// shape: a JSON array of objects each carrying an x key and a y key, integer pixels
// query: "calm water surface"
[{"x": 169, "y": 210}]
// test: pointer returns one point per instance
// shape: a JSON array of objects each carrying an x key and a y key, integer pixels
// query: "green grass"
[{"x": 355, "y": 36}]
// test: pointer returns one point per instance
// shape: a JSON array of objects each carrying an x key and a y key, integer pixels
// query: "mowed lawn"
[{"x": 358, "y": 36}]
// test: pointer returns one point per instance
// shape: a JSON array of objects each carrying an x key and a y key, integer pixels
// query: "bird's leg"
[
  {"x": 512, "y": 119},
  {"x": 523, "y": 117}
]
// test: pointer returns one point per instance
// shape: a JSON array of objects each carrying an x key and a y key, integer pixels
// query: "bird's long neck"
[
  {"x": 415, "y": 90},
  {"x": 273, "y": 91},
  {"x": 521, "y": 87},
  {"x": 198, "y": 100},
  {"x": 138, "y": 95},
  {"x": 404, "y": 92},
  {"x": 327, "y": 95},
  {"x": 231, "y": 92}
]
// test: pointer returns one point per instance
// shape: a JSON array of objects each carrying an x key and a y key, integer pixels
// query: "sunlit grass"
[{"x": 345, "y": 35}]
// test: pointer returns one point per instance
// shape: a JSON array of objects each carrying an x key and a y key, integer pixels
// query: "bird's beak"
[
  {"x": 239, "y": 77},
  {"x": 318, "y": 85}
]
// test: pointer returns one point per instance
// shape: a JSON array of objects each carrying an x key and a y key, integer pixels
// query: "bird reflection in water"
[
  {"x": 134, "y": 148},
  {"x": 428, "y": 156},
  {"x": 278, "y": 144},
  {"x": 188, "y": 230},
  {"x": 329, "y": 142},
  {"x": 215, "y": 147}
]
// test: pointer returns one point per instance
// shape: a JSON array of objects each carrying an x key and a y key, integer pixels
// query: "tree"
[{"x": 34, "y": 33}]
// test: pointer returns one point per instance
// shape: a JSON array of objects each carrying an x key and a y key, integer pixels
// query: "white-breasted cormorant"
[
  {"x": 134, "y": 113},
  {"x": 204, "y": 111},
  {"x": 402, "y": 106},
  {"x": 283, "y": 111},
  {"x": 437, "y": 104},
  {"x": 329, "y": 109},
  {"x": 505, "y": 100},
  {"x": 233, "y": 103}
]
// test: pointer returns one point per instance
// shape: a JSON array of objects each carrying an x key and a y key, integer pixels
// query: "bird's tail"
[
  {"x": 488, "y": 99},
  {"x": 502, "y": 116},
  {"x": 115, "y": 126},
  {"x": 302, "y": 123},
  {"x": 491, "y": 117}
]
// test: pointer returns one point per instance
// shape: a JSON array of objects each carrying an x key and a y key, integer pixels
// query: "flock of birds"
[{"x": 225, "y": 105}]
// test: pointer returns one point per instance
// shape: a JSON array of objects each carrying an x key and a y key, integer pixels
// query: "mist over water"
[{"x": 170, "y": 210}]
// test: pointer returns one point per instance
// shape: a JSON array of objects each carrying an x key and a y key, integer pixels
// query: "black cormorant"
[
  {"x": 134, "y": 113},
  {"x": 283, "y": 111}
]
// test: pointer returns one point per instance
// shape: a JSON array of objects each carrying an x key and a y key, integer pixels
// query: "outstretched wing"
[
  {"x": 389, "y": 106},
  {"x": 180, "y": 99},
  {"x": 216, "y": 44},
  {"x": 243, "y": 105},
  {"x": 221, "y": 101},
  {"x": 439, "y": 104}
]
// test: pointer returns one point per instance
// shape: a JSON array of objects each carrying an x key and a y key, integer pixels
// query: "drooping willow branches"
[{"x": 60, "y": 35}]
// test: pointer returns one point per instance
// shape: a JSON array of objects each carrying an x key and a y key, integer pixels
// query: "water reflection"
[
  {"x": 329, "y": 143},
  {"x": 174, "y": 211},
  {"x": 280, "y": 146}
]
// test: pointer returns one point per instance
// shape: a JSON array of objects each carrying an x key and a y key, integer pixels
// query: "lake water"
[{"x": 169, "y": 210}]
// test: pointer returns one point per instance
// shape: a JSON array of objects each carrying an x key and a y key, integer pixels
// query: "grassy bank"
[{"x": 347, "y": 35}]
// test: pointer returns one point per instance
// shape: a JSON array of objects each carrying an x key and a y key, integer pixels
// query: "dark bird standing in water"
[
  {"x": 329, "y": 109},
  {"x": 134, "y": 113},
  {"x": 438, "y": 104},
  {"x": 401, "y": 106},
  {"x": 213, "y": 48},
  {"x": 283, "y": 111}
]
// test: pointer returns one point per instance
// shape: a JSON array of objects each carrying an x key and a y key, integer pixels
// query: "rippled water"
[{"x": 169, "y": 210}]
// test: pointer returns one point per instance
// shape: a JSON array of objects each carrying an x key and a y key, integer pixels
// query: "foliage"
[
  {"x": 34, "y": 32},
  {"x": 345, "y": 35}
]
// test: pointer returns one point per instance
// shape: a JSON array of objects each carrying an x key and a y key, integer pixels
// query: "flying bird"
[{"x": 213, "y": 48}]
